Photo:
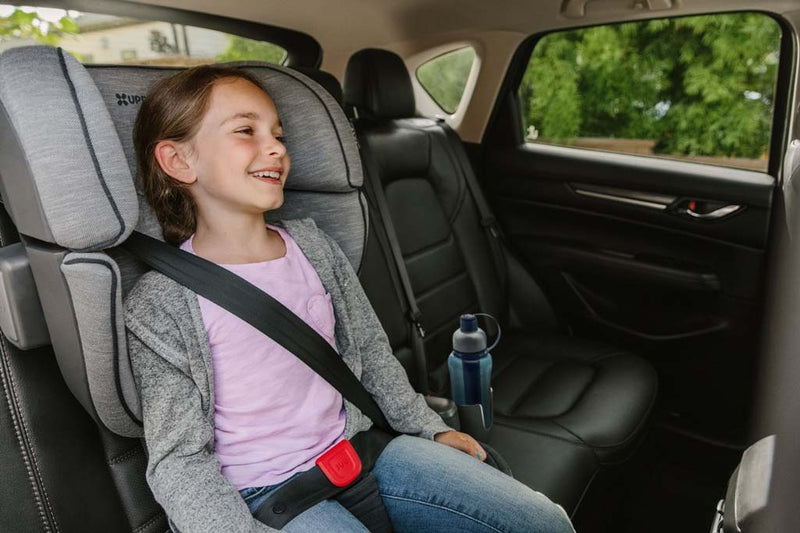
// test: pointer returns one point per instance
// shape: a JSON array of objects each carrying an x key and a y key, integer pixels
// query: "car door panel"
[{"x": 627, "y": 263}]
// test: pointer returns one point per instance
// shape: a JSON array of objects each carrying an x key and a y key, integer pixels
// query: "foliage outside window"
[
  {"x": 697, "y": 88},
  {"x": 444, "y": 77},
  {"x": 106, "y": 39}
]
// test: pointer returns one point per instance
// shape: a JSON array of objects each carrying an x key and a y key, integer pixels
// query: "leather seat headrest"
[
  {"x": 326, "y": 79},
  {"x": 378, "y": 86}
]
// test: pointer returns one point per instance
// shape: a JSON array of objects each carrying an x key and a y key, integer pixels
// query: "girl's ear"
[{"x": 171, "y": 157}]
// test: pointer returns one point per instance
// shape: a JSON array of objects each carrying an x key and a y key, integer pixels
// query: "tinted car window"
[
  {"x": 108, "y": 39},
  {"x": 695, "y": 88}
]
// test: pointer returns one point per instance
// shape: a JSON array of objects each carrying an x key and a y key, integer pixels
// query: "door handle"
[{"x": 716, "y": 214}]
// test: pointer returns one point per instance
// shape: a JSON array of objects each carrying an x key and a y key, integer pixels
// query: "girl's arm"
[
  {"x": 182, "y": 470},
  {"x": 382, "y": 374}
]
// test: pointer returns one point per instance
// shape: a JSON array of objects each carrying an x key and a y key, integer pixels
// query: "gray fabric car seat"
[{"x": 66, "y": 178}]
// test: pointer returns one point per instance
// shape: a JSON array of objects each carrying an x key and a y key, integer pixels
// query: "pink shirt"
[{"x": 273, "y": 415}]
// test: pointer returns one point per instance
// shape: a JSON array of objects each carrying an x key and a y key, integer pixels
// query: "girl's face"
[{"x": 237, "y": 156}]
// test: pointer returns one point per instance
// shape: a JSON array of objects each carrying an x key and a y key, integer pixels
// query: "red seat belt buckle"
[{"x": 341, "y": 464}]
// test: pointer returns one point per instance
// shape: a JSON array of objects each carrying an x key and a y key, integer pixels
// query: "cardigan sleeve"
[
  {"x": 382, "y": 374},
  {"x": 183, "y": 471}
]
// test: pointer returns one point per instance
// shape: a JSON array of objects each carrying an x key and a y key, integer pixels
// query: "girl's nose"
[{"x": 275, "y": 147}]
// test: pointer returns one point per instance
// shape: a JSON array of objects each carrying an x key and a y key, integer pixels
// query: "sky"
[{"x": 45, "y": 13}]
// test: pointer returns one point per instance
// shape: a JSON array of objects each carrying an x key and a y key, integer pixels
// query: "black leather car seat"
[{"x": 545, "y": 383}]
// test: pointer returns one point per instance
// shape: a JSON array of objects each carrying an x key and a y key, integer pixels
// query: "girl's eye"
[
  {"x": 280, "y": 138},
  {"x": 248, "y": 131}
]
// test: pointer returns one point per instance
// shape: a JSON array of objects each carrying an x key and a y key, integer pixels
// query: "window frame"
[
  {"x": 508, "y": 96},
  {"x": 302, "y": 50}
]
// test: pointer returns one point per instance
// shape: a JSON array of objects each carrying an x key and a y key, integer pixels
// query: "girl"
[{"x": 228, "y": 414}]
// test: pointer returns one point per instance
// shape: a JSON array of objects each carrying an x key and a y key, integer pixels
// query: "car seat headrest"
[
  {"x": 378, "y": 86},
  {"x": 327, "y": 80},
  {"x": 55, "y": 142}
]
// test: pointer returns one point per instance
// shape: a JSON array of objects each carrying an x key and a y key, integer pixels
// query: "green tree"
[
  {"x": 241, "y": 49},
  {"x": 23, "y": 25},
  {"x": 445, "y": 77},
  {"x": 696, "y": 85}
]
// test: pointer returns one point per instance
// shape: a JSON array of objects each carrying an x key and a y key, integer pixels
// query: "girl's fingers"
[
  {"x": 472, "y": 447},
  {"x": 463, "y": 442},
  {"x": 480, "y": 453}
]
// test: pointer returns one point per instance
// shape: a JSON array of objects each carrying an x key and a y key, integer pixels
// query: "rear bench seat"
[{"x": 551, "y": 391}]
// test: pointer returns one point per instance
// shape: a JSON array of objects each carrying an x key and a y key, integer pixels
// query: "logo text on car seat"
[{"x": 129, "y": 99}]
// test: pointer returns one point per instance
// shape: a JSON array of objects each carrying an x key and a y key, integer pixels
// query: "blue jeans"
[{"x": 427, "y": 486}]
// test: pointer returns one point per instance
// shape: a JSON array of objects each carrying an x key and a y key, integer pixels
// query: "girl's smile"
[{"x": 239, "y": 142}]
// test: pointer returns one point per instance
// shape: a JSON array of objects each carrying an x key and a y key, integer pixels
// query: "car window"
[
  {"x": 696, "y": 88},
  {"x": 444, "y": 77},
  {"x": 108, "y": 39}
]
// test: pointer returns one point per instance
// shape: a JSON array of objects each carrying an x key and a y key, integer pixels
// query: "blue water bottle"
[{"x": 470, "y": 366}]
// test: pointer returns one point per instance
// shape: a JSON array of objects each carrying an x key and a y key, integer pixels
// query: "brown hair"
[{"x": 173, "y": 110}]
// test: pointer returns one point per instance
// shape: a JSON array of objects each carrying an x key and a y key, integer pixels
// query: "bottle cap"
[
  {"x": 469, "y": 338},
  {"x": 469, "y": 323}
]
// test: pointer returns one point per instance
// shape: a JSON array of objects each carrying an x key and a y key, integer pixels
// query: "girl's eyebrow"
[{"x": 249, "y": 115}]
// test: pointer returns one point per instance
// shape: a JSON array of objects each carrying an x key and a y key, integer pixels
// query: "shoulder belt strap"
[{"x": 258, "y": 309}]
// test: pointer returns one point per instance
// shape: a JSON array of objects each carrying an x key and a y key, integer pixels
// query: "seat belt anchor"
[{"x": 341, "y": 464}]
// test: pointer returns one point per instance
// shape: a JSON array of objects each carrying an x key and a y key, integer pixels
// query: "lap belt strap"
[{"x": 313, "y": 486}]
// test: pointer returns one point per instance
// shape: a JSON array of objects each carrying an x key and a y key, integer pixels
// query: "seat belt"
[
  {"x": 414, "y": 316},
  {"x": 342, "y": 470},
  {"x": 493, "y": 231},
  {"x": 260, "y": 310},
  {"x": 273, "y": 319}
]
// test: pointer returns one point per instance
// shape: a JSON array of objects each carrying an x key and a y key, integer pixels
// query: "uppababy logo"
[{"x": 129, "y": 99}]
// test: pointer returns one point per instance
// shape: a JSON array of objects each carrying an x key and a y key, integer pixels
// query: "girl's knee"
[{"x": 547, "y": 515}]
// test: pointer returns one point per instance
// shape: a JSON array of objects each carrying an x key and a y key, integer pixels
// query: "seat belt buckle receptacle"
[{"x": 341, "y": 464}]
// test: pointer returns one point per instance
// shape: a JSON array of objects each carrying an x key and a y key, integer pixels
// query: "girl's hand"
[{"x": 463, "y": 442}]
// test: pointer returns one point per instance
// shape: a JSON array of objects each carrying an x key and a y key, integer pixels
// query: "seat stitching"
[
  {"x": 603, "y": 357},
  {"x": 510, "y": 422},
  {"x": 565, "y": 428},
  {"x": 434, "y": 330},
  {"x": 125, "y": 455},
  {"x": 641, "y": 423},
  {"x": 31, "y": 466},
  {"x": 623, "y": 442},
  {"x": 582, "y": 393},
  {"x": 433, "y": 247},
  {"x": 151, "y": 520},
  {"x": 450, "y": 281},
  {"x": 530, "y": 387},
  {"x": 498, "y": 369},
  {"x": 442, "y": 507},
  {"x": 456, "y": 165}
]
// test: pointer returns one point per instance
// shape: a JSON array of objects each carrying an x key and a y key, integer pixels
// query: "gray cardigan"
[{"x": 171, "y": 363}]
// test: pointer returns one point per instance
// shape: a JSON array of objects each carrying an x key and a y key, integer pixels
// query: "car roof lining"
[{"x": 416, "y": 30}]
